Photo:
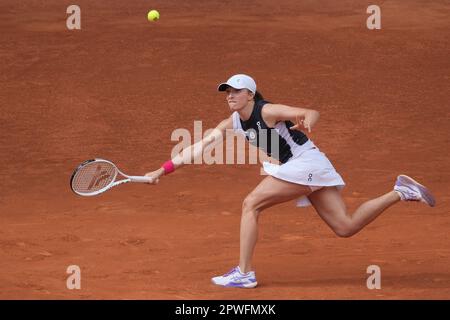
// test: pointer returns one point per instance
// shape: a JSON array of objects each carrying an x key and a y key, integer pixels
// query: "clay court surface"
[{"x": 117, "y": 89}]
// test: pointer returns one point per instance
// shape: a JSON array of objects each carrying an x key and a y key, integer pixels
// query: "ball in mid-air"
[{"x": 153, "y": 15}]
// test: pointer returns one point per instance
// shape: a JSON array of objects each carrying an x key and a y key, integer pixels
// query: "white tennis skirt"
[{"x": 310, "y": 168}]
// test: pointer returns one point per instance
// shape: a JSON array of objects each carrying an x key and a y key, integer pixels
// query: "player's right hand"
[{"x": 154, "y": 175}]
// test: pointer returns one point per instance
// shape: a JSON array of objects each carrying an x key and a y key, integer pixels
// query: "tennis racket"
[{"x": 96, "y": 176}]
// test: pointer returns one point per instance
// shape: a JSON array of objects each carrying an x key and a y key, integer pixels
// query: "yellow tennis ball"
[{"x": 153, "y": 15}]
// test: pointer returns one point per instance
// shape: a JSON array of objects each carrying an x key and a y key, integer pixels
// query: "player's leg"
[
  {"x": 331, "y": 208},
  {"x": 269, "y": 192}
]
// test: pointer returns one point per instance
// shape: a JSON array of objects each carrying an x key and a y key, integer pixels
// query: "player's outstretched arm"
[{"x": 192, "y": 152}]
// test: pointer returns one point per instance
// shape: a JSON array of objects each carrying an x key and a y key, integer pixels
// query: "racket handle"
[{"x": 141, "y": 179}]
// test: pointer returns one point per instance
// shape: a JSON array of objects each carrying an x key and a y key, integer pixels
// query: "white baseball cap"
[{"x": 239, "y": 81}]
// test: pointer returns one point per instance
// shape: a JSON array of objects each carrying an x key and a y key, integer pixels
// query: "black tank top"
[{"x": 259, "y": 134}]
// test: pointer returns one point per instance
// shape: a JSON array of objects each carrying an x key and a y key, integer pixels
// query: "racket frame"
[{"x": 114, "y": 183}]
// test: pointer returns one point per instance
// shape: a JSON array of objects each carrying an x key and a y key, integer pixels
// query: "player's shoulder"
[
  {"x": 268, "y": 107},
  {"x": 269, "y": 113},
  {"x": 264, "y": 105}
]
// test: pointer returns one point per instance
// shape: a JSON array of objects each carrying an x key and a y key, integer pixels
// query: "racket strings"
[{"x": 93, "y": 177}]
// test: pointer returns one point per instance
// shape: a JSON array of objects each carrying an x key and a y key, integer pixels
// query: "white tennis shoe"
[
  {"x": 235, "y": 278},
  {"x": 410, "y": 190}
]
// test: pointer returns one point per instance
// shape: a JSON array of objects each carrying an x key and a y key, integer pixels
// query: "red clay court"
[{"x": 117, "y": 89}]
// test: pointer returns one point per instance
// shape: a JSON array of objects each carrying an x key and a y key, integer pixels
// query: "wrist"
[
  {"x": 160, "y": 172},
  {"x": 168, "y": 167}
]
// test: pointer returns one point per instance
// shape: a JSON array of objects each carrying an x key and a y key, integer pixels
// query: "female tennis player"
[{"x": 304, "y": 173}]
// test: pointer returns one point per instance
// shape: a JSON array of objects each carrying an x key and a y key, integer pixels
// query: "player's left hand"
[{"x": 306, "y": 122}]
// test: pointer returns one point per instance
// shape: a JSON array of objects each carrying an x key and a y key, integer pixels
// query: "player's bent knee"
[
  {"x": 344, "y": 230},
  {"x": 250, "y": 204},
  {"x": 344, "y": 233}
]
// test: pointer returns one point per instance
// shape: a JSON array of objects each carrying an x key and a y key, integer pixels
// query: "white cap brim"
[
  {"x": 239, "y": 81},
  {"x": 224, "y": 86}
]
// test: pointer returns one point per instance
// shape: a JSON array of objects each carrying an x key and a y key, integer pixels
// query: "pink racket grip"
[{"x": 168, "y": 167}]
